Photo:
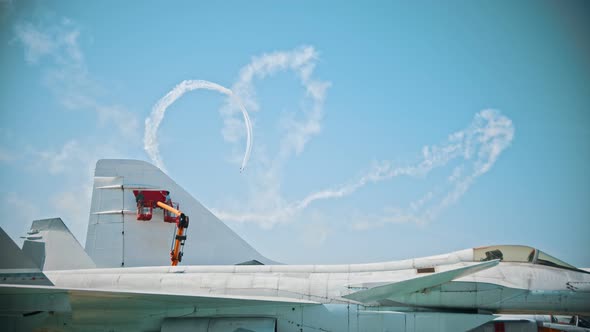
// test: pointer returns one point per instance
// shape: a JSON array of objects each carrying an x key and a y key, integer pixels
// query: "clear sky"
[{"x": 381, "y": 130}]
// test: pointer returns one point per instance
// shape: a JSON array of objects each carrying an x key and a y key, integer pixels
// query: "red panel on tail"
[{"x": 151, "y": 197}]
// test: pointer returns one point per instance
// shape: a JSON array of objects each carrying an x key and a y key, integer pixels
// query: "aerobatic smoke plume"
[
  {"x": 478, "y": 146},
  {"x": 301, "y": 61},
  {"x": 297, "y": 131},
  {"x": 152, "y": 123},
  {"x": 475, "y": 149}
]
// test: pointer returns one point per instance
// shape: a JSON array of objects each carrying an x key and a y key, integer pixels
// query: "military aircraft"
[{"x": 123, "y": 281}]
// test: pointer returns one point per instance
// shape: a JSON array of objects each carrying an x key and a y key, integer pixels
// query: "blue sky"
[{"x": 381, "y": 130}]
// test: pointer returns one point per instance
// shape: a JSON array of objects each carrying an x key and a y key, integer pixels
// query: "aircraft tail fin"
[
  {"x": 16, "y": 267},
  {"x": 408, "y": 286},
  {"x": 53, "y": 247},
  {"x": 117, "y": 237},
  {"x": 12, "y": 256}
]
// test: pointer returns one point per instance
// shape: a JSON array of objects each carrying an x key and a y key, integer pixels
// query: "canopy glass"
[{"x": 520, "y": 254}]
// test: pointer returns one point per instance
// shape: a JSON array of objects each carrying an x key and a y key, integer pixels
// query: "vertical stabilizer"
[
  {"x": 53, "y": 247},
  {"x": 11, "y": 257},
  {"x": 116, "y": 238},
  {"x": 16, "y": 267}
]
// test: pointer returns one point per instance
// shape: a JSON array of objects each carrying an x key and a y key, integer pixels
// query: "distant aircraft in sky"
[{"x": 123, "y": 281}]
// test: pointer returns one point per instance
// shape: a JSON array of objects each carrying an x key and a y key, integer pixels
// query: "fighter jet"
[{"x": 123, "y": 281}]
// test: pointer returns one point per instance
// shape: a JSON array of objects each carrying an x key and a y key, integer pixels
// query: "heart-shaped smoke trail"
[
  {"x": 475, "y": 149},
  {"x": 150, "y": 139}
]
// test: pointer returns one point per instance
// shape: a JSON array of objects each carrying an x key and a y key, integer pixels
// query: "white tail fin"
[
  {"x": 12, "y": 255},
  {"x": 16, "y": 267},
  {"x": 116, "y": 238},
  {"x": 53, "y": 247}
]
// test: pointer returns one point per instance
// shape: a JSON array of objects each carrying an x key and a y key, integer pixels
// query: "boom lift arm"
[{"x": 181, "y": 226}]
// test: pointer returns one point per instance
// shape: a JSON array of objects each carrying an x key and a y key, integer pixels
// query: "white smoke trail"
[
  {"x": 298, "y": 130},
  {"x": 479, "y": 145},
  {"x": 152, "y": 123},
  {"x": 301, "y": 61}
]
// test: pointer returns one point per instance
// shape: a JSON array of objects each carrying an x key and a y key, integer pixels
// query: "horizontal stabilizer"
[{"x": 416, "y": 284}]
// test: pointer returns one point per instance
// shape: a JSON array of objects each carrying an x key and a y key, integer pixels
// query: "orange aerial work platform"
[{"x": 147, "y": 200}]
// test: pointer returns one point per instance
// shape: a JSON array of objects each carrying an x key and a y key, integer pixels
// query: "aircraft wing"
[
  {"x": 29, "y": 298},
  {"x": 416, "y": 284}
]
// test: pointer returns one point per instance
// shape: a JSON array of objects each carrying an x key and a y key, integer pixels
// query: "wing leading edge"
[{"x": 416, "y": 284}]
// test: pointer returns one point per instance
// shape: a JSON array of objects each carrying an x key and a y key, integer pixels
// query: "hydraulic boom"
[{"x": 180, "y": 237}]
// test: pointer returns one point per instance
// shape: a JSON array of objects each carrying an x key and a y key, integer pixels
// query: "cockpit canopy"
[{"x": 520, "y": 254}]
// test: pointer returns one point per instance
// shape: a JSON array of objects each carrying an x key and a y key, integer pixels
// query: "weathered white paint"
[
  {"x": 115, "y": 238},
  {"x": 295, "y": 298}
]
